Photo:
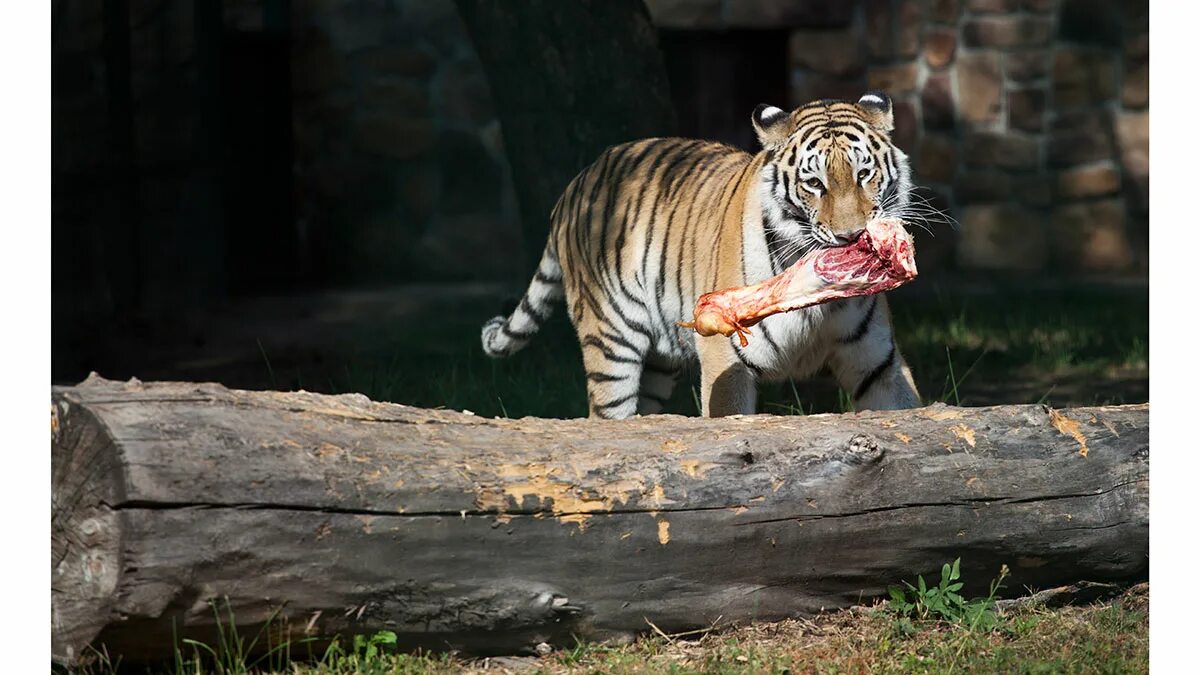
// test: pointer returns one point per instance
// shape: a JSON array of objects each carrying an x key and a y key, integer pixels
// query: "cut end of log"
[{"x": 85, "y": 532}]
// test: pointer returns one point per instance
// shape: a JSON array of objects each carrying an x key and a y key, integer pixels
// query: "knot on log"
[
  {"x": 557, "y": 604},
  {"x": 742, "y": 454},
  {"x": 861, "y": 449}
]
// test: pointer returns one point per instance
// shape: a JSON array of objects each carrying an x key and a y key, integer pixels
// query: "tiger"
[{"x": 637, "y": 236}]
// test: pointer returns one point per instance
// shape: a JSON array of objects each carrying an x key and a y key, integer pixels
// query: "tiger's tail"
[{"x": 503, "y": 336}]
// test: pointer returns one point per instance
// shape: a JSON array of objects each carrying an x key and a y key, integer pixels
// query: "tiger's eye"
[
  {"x": 815, "y": 183},
  {"x": 863, "y": 174}
]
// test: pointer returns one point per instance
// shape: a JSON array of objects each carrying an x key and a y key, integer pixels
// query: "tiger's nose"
[{"x": 847, "y": 236}]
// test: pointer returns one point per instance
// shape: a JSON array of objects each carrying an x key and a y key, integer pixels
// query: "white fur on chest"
[{"x": 787, "y": 344}]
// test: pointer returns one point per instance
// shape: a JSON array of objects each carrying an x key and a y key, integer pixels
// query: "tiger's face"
[{"x": 831, "y": 168}]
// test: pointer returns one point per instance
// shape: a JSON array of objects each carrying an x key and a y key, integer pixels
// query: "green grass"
[
  {"x": 1069, "y": 347},
  {"x": 1066, "y": 347},
  {"x": 1104, "y": 637}
]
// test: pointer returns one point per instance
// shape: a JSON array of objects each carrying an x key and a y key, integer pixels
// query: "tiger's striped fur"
[{"x": 640, "y": 234}]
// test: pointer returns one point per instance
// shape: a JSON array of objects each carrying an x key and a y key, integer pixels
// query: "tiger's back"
[
  {"x": 636, "y": 238},
  {"x": 637, "y": 232}
]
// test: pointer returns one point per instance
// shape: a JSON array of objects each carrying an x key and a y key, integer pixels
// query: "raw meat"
[{"x": 880, "y": 259}]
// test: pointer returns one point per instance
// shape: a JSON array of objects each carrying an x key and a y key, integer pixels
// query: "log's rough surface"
[{"x": 344, "y": 516}]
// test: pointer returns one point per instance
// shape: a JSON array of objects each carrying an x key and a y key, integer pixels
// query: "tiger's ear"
[
  {"x": 772, "y": 125},
  {"x": 877, "y": 108}
]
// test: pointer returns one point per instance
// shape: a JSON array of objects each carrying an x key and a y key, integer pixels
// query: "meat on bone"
[{"x": 879, "y": 259}]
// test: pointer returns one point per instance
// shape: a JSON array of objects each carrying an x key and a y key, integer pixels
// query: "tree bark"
[
  {"x": 492, "y": 535},
  {"x": 568, "y": 80}
]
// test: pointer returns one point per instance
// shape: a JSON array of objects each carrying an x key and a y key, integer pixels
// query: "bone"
[{"x": 880, "y": 259}]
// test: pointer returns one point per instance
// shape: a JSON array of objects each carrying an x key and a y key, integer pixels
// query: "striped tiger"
[{"x": 651, "y": 225}]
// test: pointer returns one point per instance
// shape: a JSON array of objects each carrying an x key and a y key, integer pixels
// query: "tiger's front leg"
[
  {"x": 864, "y": 358},
  {"x": 727, "y": 387}
]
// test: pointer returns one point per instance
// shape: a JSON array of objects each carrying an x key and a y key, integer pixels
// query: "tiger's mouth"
[{"x": 827, "y": 239}]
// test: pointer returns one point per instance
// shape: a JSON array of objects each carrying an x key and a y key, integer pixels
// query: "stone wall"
[{"x": 1026, "y": 119}]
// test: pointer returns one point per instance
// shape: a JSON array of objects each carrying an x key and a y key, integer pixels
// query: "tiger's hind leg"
[
  {"x": 658, "y": 382},
  {"x": 614, "y": 366}
]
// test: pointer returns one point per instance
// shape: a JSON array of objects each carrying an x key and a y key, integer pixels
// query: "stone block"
[
  {"x": 1032, "y": 189},
  {"x": 1135, "y": 87},
  {"x": 1084, "y": 76},
  {"x": 1080, "y": 137},
  {"x": 1027, "y": 65},
  {"x": 937, "y": 159},
  {"x": 1007, "y": 31},
  {"x": 834, "y": 52},
  {"x": 1002, "y": 237},
  {"x": 940, "y": 44},
  {"x": 1133, "y": 143},
  {"x": 1027, "y": 109},
  {"x": 1091, "y": 236},
  {"x": 979, "y": 87},
  {"x": 1007, "y": 151},
  {"x": 895, "y": 79},
  {"x": 1093, "y": 180},
  {"x": 976, "y": 186}
]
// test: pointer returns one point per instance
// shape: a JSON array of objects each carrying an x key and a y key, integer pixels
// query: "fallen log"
[{"x": 337, "y": 515}]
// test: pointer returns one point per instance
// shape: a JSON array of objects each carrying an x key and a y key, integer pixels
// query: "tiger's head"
[{"x": 831, "y": 167}]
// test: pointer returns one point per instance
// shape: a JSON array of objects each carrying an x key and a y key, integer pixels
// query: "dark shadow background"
[{"x": 290, "y": 193}]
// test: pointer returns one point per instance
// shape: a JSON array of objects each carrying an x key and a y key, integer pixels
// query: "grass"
[
  {"x": 1110, "y": 637},
  {"x": 1064, "y": 347},
  {"x": 1104, "y": 637}
]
